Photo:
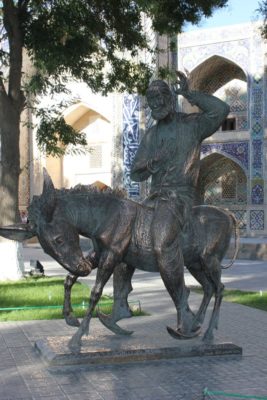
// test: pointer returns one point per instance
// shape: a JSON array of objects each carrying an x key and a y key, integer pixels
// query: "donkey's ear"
[
  {"x": 48, "y": 183},
  {"x": 48, "y": 197},
  {"x": 19, "y": 232}
]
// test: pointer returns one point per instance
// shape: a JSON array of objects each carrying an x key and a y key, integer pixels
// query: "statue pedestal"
[
  {"x": 108, "y": 349},
  {"x": 12, "y": 266}
]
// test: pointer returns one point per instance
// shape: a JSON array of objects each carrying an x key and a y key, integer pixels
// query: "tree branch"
[{"x": 22, "y": 4}]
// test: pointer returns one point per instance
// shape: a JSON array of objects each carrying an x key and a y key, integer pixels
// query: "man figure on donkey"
[{"x": 170, "y": 153}]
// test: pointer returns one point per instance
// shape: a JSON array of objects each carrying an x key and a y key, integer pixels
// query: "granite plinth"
[{"x": 114, "y": 349}]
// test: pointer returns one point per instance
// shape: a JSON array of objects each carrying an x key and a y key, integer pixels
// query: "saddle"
[{"x": 141, "y": 231}]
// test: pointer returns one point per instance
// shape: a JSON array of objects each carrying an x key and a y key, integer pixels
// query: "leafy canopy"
[
  {"x": 263, "y": 11},
  {"x": 95, "y": 41}
]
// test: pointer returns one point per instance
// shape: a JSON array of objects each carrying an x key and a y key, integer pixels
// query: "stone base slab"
[{"x": 54, "y": 350}]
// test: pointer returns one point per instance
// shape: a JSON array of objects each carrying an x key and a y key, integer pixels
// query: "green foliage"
[
  {"x": 250, "y": 299},
  {"x": 263, "y": 11},
  {"x": 88, "y": 41},
  {"x": 97, "y": 42},
  {"x": 54, "y": 135},
  {"x": 47, "y": 293},
  {"x": 169, "y": 16}
]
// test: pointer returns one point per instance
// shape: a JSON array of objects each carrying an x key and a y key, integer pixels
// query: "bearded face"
[{"x": 161, "y": 105}]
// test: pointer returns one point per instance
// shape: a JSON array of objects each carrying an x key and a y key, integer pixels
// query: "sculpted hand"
[
  {"x": 155, "y": 164},
  {"x": 181, "y": 85}
]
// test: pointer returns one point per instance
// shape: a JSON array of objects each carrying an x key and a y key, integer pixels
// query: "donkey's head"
[{"x": 57, "y": 235}]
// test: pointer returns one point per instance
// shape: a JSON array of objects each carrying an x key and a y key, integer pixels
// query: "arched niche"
[
  {"x": 78, "y": 114},
  {"x": 221, "y": 181},
  {"x": 215, "y": 72},
  {"x": 226, "y": 80},
  {"x": 85, "y": 167}
]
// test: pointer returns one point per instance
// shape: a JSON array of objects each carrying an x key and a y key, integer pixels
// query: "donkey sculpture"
[{"x": 120, "y": 229}]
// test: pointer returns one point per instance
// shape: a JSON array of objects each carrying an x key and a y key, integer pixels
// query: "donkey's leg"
[
  {"x": 172, "y": 274},
  {"x": 208, "y": 289},
  {"x": 67, "y": 309},
  {"x": 122, "y": 286},
  {"x": 168, "y": 252},
  {"x": 69, "y": 282},
  {"x": 105, "y": 269},
  {"x": 213, "y": 274}
]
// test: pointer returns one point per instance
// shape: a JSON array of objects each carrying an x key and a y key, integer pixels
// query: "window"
[
  {"x": 229, "y": 124},
  {"x": 228, "y": 185},
  {"x": 96, "y": 157}
]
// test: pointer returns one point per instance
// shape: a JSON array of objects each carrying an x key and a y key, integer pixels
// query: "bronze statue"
[
  {"x": 163, "y": 234},
  {"x": 120, "y": 228}
]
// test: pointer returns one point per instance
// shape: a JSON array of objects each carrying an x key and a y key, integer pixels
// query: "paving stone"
[
  {"x": 77, "y": 388},
  {"x": 85, "y": 396},
  {"x": 24, "y": 376},
  {"x": 57, "y": 397}
]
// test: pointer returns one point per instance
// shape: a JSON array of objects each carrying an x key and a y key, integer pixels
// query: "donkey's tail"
[{"x": 237, "y": 238}]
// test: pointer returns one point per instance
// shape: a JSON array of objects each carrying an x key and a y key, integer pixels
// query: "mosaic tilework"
[
  {"x": 242, "y": 123},
  {"x": 236, "y": 97},
  {"x": 257, "y": 188},
  {"x": 257, "y": 220},
  {"x": 257, "y": 191},
  {"x": 257, "y": 123},
  {"x": 237, "y": 51},
  {"x": 243, "y": 46},
  {"x": 256, "y": 130},
  {"x": 239, "y": 151},
  {"x": 241, "y": 216},
  {"x": 234, "y": 92},
  {"x": 131, "y": 108},
  {"x": 257, "y": 154}
]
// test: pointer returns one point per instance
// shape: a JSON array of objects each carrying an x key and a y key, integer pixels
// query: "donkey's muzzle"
[{"x": 84, "y": 267}]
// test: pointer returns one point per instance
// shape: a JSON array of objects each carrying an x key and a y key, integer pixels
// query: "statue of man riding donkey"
[{"x": 163, "y": 234}]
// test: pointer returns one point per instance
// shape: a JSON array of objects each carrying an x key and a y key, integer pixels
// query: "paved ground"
[
  {"x": 244, "y": 274},
  {"x": 24, "y": 376}
]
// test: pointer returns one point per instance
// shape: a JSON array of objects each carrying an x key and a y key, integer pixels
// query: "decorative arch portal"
[
  {"x": 236, "y": 52},
  {"x": 89, "y": 166},
  {"x": 228, "y": 81},
  {"x": 237, "y": 151},
  {"x": 215, "y": 72},
  {"x": 198, "y": 51},
  {"x": 222, "y": 181}
]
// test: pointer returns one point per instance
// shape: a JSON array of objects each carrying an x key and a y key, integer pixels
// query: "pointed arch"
[
  {"x": 222, "y": 181},
  {"x": 79, "y": 110},
  {"x": 215, "y": 72},
  {"x": 90, "y": 166}
]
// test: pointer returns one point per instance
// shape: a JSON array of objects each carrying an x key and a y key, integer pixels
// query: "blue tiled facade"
[
  {"x": 242, "y": 50},
  {"x": 131, "y": 117}
]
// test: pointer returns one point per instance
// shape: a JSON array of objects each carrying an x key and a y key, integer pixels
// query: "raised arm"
[{"x": 214, "y": 110}]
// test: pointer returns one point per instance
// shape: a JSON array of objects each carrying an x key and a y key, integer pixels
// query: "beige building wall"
[{"x": 95, "y": 164}]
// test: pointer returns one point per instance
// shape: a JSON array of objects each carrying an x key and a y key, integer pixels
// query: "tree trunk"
[
  {"x": 10, "y": 164},
  {"x": 11, "y": 105},
  {"x": 12, "y": 266}
]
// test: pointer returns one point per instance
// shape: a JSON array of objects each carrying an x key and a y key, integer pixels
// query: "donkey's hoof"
[
  {"x": 208, "y": 338},
  {"x": 109, "y": 323},
  {"x": 71, "y": 320},
  {"x": 196, "y": 327},
  {"x": 74, "y": 346},
  {"x": 178, "y": 334}
]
